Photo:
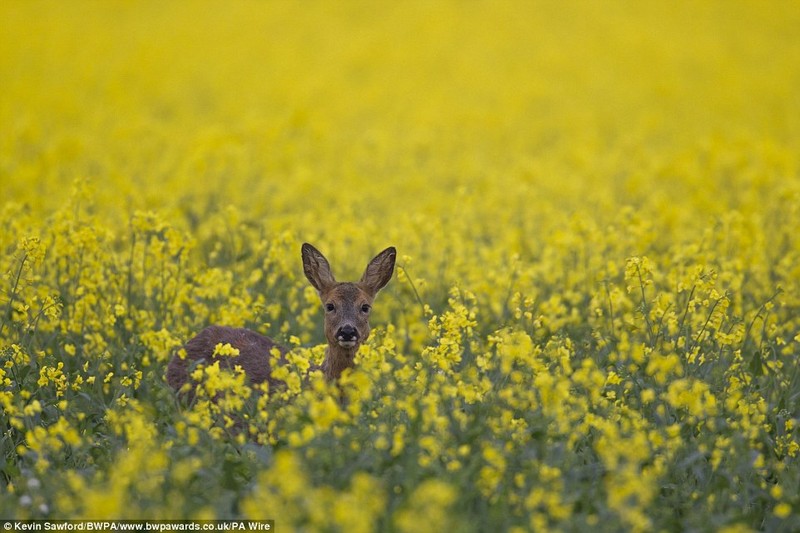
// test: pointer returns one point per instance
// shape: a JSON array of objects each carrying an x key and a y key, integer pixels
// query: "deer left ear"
[
  {"x": 317, "y": 269},
  {"x": 379, "y": 271}
]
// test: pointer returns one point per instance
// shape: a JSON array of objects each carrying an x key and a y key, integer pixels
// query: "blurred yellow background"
[{"x": 339, "y": 107}]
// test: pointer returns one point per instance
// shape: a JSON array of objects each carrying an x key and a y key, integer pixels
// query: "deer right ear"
[
  {"x": 316, "y": 268},
  {"x": 379, "y": 271}
]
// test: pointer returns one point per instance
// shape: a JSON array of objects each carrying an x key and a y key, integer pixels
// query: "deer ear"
[
  {"x": 316, "y": 268},
  {"x": 379, "y": 271}
]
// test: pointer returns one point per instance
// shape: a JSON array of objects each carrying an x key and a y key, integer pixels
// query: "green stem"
[{"x": 9, "y": 307}]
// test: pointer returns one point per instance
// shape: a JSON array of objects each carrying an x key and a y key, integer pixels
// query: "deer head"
[{"x": 347, "y": 305}]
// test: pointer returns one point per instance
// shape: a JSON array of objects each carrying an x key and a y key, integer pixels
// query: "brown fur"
[
  {"x": 254, "y": 354},
  {"x": 344, "y": 306}
]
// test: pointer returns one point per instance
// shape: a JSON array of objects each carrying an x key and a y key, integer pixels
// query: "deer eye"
[
  {"x": 365, "y": 308},
  {"x": 330, "y": 308}
]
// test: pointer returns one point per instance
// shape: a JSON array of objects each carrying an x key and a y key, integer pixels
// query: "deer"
[{"x": 346, "y": 305}]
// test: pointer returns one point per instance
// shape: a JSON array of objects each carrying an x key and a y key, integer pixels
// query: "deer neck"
[{"x": 337, "y": 360}]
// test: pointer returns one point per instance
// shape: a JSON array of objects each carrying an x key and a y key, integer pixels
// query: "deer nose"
[{"x": 347, "y": 333}]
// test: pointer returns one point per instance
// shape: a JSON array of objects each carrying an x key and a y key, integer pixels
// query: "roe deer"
[{"x": 347, "y": 306}]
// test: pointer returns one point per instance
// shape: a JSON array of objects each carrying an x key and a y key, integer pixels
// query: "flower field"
[{"x": 594, "y": 322}]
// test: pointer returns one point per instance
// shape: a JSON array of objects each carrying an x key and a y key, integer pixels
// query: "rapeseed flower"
[{"x": 594, "y": 317}]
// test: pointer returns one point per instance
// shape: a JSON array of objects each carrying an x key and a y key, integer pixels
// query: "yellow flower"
[
  {"x": 225, "y": 350},
  {"x": 427, "y": 509},
  {"x": 324, "y": 413},
  {"x": 32, "y": 408},
  {"x": 783, "y": 510}
]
